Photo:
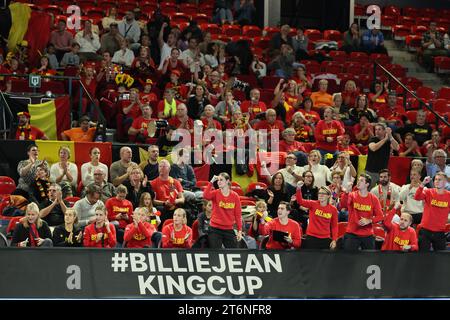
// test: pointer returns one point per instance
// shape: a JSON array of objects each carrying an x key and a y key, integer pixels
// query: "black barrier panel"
[{"x": 100, "y": 273}]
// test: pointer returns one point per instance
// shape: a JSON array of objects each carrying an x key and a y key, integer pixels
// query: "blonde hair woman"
[
  {"x": 68, "y": 234},
  {"x": 64, "y": 172},
  {"x": 137, "y": 184},
  {"x": 321, "y": 173},
  {"x": 177, "y": 234},
  {"x": 32, "y": 231},
  {"x": 100, "y": 233}
]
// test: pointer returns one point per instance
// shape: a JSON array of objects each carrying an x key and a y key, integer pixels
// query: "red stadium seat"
[
  {"x": 410, "y": 11},
  {"x": 425, "y": 93},
  {"x": 406, "y": 21},
  {"x": 353, "y": 68},
  {"x": 220, "y": 37},
  {"x": 189, "y": 8},
  {"x": 413, "y": 42},
  {"x": 53, "y": 9},
  {"x": 312, "y": 67},
  {"x": 379, "y": 233},
  {"x": 179, "y": 17},
  {"x": 246, "y": 203},
  {"x": 202, "y": 184},
  {"x": 200, "y": 18},
  {"x": 167, "y": 222},
  {"x": 7, "y": 185},
  {"x": 334, "y": 35},
  {"x": 441, "y": 105},
  {"x": 256, "y": 185},
  {"x": 359, "y": 10},
  {"x": 360, "y": 57},
  {"x": 397, "y": 70},
  {"x": 12, "y": 225},
  {"x": 249, "y": 78},
  {"x": 251, "y": 31},
  {"x": 211, "y": 28},
  {"x": 95, "y": 13},
  {"x": 72, "y": 200},
  {"x": 313, "y": 34},
  {"x": 380, "y": 57},
  {"x": 236, "y": 187},
  {"x": 412, "y": 115},
  {"x": 429, "y": 12},
  {"x": 332, "y": 67},
  {"x": 56, "y": 87},
  {"x": 399, "y": 168},
  {"x": 240, "y": 37},
  {"x": 231, "y": 30},
  {"x": 194, "y": 230},
  {"x": 168, "y": 6},
  {"x": 270, "y": 31},
  {"x": 392, "y": 10},
  {"x": 337, "y": 55},
  {"x": 261, "y": 42},
  {"x": 442, "y": 65},
  {"x": 270, "y": 82},
  {"x": 419, "y": 29},
  {"x": 388, "y": 21},
  {"x": 444, "y": 93},
  {"x": 413, "y": 82},
  {"x": 400, "y": 31}
]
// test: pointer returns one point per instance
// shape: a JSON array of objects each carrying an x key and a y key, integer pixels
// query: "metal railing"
[{"x": 406, "y": 91}]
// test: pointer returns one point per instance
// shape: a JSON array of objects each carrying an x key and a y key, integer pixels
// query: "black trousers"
[
  {"x": 316, "y": 243},
  {"x": 429, "y": 238},
  {"x": 219, "y": 237},
  {"x": 353, "y": 242}
]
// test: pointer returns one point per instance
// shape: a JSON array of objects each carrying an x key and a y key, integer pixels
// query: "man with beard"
[
  {"x": 151, "y": 166},
  {"x": 386, "y": 191},
  {"x": 25, "y": 131}
]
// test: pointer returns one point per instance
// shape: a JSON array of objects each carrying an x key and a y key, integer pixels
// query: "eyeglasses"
[{"x": 292, "y": 158}]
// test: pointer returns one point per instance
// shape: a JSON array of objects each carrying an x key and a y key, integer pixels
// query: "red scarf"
[
  {"x": 34, "y": 234},
  {"x": 385, "y": 203}
]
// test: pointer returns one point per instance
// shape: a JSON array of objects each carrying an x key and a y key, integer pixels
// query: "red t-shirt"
[
  {"x": 33, "y": 133},
  {"x": 181, "y": 89},
  {"x": 166, "y": 190},
  {"x": 436, "y": 209},
  {"x": 349, "y": 97},
  {"x": 323, "y": 221},
  {"x": 292, "y": 228},
  {"x": 116, "y": 206},
  {"x": 226, "y": 211},
  {"x": 217, "y": 124},
  {"x": 324, "y": 130},
  {"x": 351, "y": 149},
  {"x": 368, "y": 207},
  {"x": 264, "y": 124},
  {"x": 311, "y": 116},
  {"x": 416, "y": 152},
  {"x": 176, "y": 239},
  {"x": 397, "y": 238},
  {"x": 378, "y": 102},
  {"x": 365, "y": 138},
  {"x": 147, "y": 97},
  {"x": 388, "y": 114},
  {"x": 91, "y": 233},
  {"x": 139, "y": 237},
  {"x": 135, "y": 111},
  {"x": 175, "y": 122},
  {"x": 140, "y": 123},
  {"x": 294, "y": 146},
  {"x": 253, "y": 109}
]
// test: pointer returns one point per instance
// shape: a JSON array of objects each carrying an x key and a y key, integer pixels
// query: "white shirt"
[
  {"x": 321, "y": 173},
  {"x": 56, "y": 171},
  {"x": 87, "y": 172},
  {"x": 85, "y": 210},
  {"x": 188, "y": 58},
  {"x": 123, "y": 57},
  {"x": 165, "y": 53},
  {"x": 409, "y": 204},
  {"x": 288, "y": 177},
  {"x": 88, "y": 45}
]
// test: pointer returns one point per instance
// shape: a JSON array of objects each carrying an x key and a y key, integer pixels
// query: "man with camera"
[{"x": 138, "y": 131}]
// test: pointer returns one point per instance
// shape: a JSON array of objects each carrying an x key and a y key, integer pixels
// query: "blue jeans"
[{"x": 223, "y": 15}]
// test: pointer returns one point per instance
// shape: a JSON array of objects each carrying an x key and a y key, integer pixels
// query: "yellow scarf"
[{"x": 170, "y": 109}]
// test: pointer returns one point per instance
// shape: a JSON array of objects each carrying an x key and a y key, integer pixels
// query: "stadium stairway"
[{"x": 408, "y": 60}]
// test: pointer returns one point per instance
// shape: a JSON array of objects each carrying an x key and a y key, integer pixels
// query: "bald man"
[{"x": 118, "y": 169}]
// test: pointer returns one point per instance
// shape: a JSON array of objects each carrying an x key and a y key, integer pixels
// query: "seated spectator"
[
  {"x": 44, "y": 68},
  {"x": 61, "y": 39},
  {"x": 100, "y": 233},
  {"x": 361, "y": 107},
  {"x": 111, "y": 18},
  {"x": 71, "y": 58},
  {"x": 373, "y": 41},
  {"x": 303, "y": 79},
  {"x": 409, "y": 147},
  {"x": 204, "y": 219},
  {"x": 107, "y": 189},
  {"x": 326, "y": 133},
  {"x": 192, "y": 57},
  {"x": 211, "y": 55},
  {"x": 129, "y": 29},
  {"x": 86, "y": 206},
  {"x": 300, "y": 44},
  {"x": 258, "y": 67},
  {"x": 40, "y": 186},
  {"x": 350, "y": 93},
  {"x": 225, "y": 108},
  {"x": 289, "y": 144},
  {"x": 136, "y": 185},
  {"x": 387, "y": 192},
  {"x": 183, "y": 172},
  {"x": 432, "y": 45},
  {"x": 409, "y": 204},
  {"x": 292, "y": 173},
  {"x": 52, "y": 59},
  {"x": 311, "y": 116},
  {"x": 282, "y": 223},
  {"x": 389, "y": 113},
  {"x": 436, "y": 162},
  {"x": 340, "y": 109},
  {"x": 196, "y": 102},
  {"x": 147, "y": 95},
  {"x": 223, "y": 12},
  {"x": 53, "y": 208},
  {"x": 80, "y": 134},
  {"x": 182, "y": 120},
  {"x": 321, "y": 98},
  {"x": 344, "y": 144},
  {"x": 89, "y": 42},
  {"x": 139, "y": 130},
  {"x": 166, "y": 141},
  {"x": 322, "y": 173},
  {"x": 322, "y": 231},
  {"x": 168, "y": 191},
  {"x": 119, "y": 211},
  {"x": 378, "y": 95},
  {"x": 65, "y": 173},
  {"x": 400, "y": 236},
  {"x": 343, "y": 164},
  {"x": 281, "y": 38},
  {"x": 271, "y": 122},
  {"x": 283, "y": 63},
  {"x": 303, "y": 132},
  {"x": 433, "y": 144},
  {"x": 288, "y": 97},
  {"x": 447, "y": 41},
  {"x": 420, "y": 128},
  {"x": 25, "y": 131},
  {"x": 180, "y": 90},
  {"x": 88, "y": 168},
  {"x": 139, "y": 233},
  {"x": 168, "y": 106},
  {"x": 143, "y": 64},
  {"x": 32, "y": 231},
  {"x": 112, "y": 40},
  {"x": 27, "y": 170},
  {"x": 132, "y": 109},
  {"x": 277, "y": 191},
  {"x": 208, "y": 119},
  {"x": 363, "y": 132},
  {"x": 166, "y": 48},
  {"x": 150, "y": 167},
  {"x": 173, "y": 62},
  {"x": 244, "y": 11},
  {"x": 68, "y": 234},
  {"x": 352, "y": 39},
  {"x": 177, "y": 234},
  {"x": 153, "y": 215},
  {"x": 123, "y": 56},
  {"x": 214, "y": 86}
]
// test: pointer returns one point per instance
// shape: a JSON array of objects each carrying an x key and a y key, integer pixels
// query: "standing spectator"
[
  {"x": 326, "y": 133},
  {"x": 293, "y": 233},
  {"x": 364, "y": 210},
  {"x": 399, "y": 237},
  {"x": 138, "y": 234},
  {"x": 192, "y": 57},
  {"x": 129, "y": 29},
  {"x": 378, "y": 94},
  {"x": 435, "y": 214},
  {"x": 322, "y": 229},
  {"x": 86, "y": 206},
  {"x": 352, "y": 39},
  {"x": 32, "y": 231},
  {"x": 118, "y": 169},
  {"x": 166, "y": 47},
  {"x": 71, "y": 58},
  {"x": 100, "y": 233},
  {"x": 61, "y": 39},
  {"x": 177, "y": 234},
  {"x": 409, "y": 204},
  {"x": 107, "y": 189},
  {"x": 111, "y": 41},
  {"x": 373, "y": 41},
  {"x": 88, "y": 168},
  {"x": 386, "y": 191},
  {"x": 65, "y": 173},
  {"x": 226, "y": 212},
  {"x": 68, "y": 234},
  {"x": 322, "y": 98},
  {"x": 258, "y": 67},
  {"x": 432, "y": 45},
  {"x": 380, "y": 149},
  {"x": 89, "y": 43}
]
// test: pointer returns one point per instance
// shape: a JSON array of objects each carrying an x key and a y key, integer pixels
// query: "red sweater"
[
  {"x": 397, "y": 238},
  {"x": 139, "y": 237},
  {"x": 324, "y": 130},
  {"x": 176, "y": 239},
  {"x": 90, "y": 237},
  {"x": 226, "y": 211},
  {"x": 116, "y": 206},
  {"x": 294, "y": 146},
  {"x": 323, "y": 221},
  {"x": 436, "y": 209},
  {"x": 292, "y": 228},
  {"x": 368, "y": 207}
]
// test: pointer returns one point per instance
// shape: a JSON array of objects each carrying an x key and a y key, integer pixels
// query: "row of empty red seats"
[{"x": 391, "y": 10}]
